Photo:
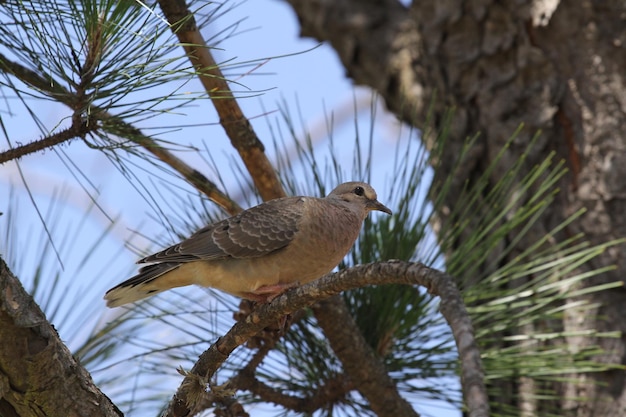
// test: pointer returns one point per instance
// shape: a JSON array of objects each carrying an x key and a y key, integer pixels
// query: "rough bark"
[
  {"x": 38, "y": 374},
  {"x": 557, "y": 67}
]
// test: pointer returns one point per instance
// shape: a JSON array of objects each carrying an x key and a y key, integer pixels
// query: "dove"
[{"x": 262, "y": 251}]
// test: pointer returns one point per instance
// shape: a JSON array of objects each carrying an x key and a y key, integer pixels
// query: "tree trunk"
[
  {"x": 38, "y": 374},
  {"x": 557, "y": 67}
]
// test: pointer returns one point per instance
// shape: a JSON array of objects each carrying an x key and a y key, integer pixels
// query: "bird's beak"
[{"x": 377, "y": 205}]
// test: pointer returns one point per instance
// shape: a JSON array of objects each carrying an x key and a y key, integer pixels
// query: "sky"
[{"x": 307, "y": 77}]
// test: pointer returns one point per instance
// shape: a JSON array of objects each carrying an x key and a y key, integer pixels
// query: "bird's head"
[{"x": 360, "y": 194}]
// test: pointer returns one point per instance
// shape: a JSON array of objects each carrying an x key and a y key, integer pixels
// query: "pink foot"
[{"x": 267, "y": 293}]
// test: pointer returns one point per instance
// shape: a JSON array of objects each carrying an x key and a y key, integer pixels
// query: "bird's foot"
[{"x": 267, "y": 293}]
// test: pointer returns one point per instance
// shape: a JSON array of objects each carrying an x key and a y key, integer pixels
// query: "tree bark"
[
  {"x": 554, "y": 66},
  {"x": 38, "y": 374}
]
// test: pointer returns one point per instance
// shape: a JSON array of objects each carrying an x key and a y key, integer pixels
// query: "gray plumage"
[{"x": 262, "y": 251}]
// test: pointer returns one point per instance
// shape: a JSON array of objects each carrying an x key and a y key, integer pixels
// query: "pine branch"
[
  {"x": 365, "y": 368},
  {"x": 333, "y": 391},
  {"x": 117, "y": 126},
  {"x": 74, "y": 131},
  {"x": 193, "y": 388},
  {"x": 237, "y": 126}
]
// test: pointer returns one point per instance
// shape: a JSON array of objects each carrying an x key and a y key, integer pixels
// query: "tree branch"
[
  {"x": 193, "y": 387},
  {"x": 74, "y": 131},
  {"x": 334, "y": 390},
  {"x": 368, "y": 372},
  {"x": 237, "y": 126},
  {"x": 116, "y": 126},
  {"x": 38, "y": 374}
]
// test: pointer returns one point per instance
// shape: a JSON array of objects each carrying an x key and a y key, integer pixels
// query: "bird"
[{"x": 260, "y": 252}]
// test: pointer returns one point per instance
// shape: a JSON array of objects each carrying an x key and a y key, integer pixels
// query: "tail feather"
[{"x": 151, "y": 280}]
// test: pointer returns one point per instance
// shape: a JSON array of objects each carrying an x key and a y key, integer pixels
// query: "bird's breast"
[{"x": 319, "y": 245}]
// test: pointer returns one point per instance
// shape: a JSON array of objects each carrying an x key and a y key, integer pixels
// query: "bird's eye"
[{"x": 359, "y": 191}]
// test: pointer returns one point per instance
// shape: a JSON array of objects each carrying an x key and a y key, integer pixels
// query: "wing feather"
[{"x": 255, "y": 232}]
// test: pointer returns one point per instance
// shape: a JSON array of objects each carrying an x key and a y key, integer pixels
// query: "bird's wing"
[{"x": 255, "y": 232}]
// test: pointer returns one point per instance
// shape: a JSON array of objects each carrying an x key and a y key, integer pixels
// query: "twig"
[
  {"x": 392, "y": 272},
  {"x": 71, "y": 132},
  {"x": 334, "y": 390}
]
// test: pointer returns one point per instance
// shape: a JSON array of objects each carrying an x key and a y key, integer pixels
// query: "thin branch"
[
  {"x": 44, "y": 83},
  {"x": 193, "y": 387},
  {"x": 71, "y": 132},
  {"x": 117, "y": 126},
  {"x": 368, "y": 372},
  {"x": 334, "y": 390},
  {"x": 228, "y": 406},
  {"x": 38, "y": 371},
  {"x": 192, "y": 175},
  {"x": 237, "y": 126}
]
